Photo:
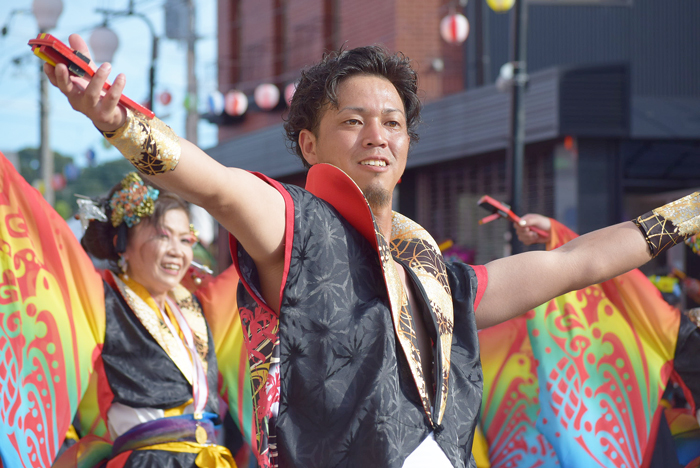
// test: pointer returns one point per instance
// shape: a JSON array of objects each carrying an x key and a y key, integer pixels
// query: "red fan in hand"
[
  {"x": 501, "y": 210},
  {"x": 53, "y": 51}
]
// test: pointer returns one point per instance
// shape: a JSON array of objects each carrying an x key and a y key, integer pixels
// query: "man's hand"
[
  {"x": 526, "y": 235},
  {"x": 86, "y": 96},
  {"x": 247, "y": 207}
]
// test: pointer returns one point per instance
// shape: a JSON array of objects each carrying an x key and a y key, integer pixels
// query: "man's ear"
[{"x": 307, "y": 144}]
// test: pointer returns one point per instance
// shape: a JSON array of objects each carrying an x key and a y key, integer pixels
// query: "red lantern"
[
  {"x": 267, "y": 96},
  {"x": 58, "y": 182},
  {"x": 289, "y": 91},
  {"x": 165, "y": 98},
  {"x": 235, "y": 103},
  {"x": 454, "y": 28}
]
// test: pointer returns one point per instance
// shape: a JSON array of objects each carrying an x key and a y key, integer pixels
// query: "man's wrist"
[
  {"x": 149, "y": 144},
  {"x": 111, "y": 128},
  {"x": 110, "y": 134}
]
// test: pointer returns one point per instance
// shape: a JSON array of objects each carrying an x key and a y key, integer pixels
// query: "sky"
[{"x": 71, "y": 133}]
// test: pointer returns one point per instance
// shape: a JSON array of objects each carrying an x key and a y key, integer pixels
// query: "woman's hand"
[
  {"x": 526, "y": 235},
  {"x": 86, "y": 95}
]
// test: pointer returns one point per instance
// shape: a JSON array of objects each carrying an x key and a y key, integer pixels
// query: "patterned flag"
[
  {"x": 583, "y": 375},
  {"x": 52, "y": 324},
  {"x": 218, "y": 300}
]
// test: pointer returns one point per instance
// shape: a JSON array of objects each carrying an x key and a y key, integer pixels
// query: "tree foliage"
[{"x": 92, "y": 181}]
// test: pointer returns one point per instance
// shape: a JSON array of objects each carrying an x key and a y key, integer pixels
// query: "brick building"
[
  {"x": 271, "y": 40},
  {"x": 612, "y": 106}
]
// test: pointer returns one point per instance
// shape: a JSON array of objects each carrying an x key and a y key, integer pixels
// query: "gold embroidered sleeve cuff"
[
  {"x": 670, "y": 224},
  {"x": 694, "y": 315},
  {"x": 150, "y": 145}
]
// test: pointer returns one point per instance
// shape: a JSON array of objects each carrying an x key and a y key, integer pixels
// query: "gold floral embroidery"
[
  {"x": 149, "y": 144},
  {"x": 670, "y": 224},
  {"x": 160, "y": 332},
  {"x": 684, "y": 213},
  {"x": 413, "y": 245},
  {"x": 403, "y": 321},
  {"x": 195, "y": 319}
]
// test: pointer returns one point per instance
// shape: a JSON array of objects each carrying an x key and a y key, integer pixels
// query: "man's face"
[{"x": 366, "y": 136}]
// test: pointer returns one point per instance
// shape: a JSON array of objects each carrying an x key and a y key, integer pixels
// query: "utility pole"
[
  {"x": 192, "y": 115},
  {"x": 45, "y": 153},
  {"x": 516, "y": 143}
]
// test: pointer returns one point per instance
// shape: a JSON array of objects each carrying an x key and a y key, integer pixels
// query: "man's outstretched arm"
[
  {"x": 519, "y": 283},
  {"x": 246, "y": 206}
]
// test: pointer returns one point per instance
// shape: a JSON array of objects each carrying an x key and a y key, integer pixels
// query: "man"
[{"x": 362, "y": 343}]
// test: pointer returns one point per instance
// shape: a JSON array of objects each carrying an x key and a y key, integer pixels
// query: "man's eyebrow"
[
  {"x": 391, "y": 110},
  {"x": 353, "y": 109},
  {"x": 360, "y": 110}
]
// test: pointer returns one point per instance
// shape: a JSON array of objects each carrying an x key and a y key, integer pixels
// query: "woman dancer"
[{"x": 145, "y": 339}]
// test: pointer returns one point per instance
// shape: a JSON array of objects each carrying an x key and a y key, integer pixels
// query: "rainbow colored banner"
[
  {"x": 52, "y": 324},
  {"x": 686, "y": 435},
  {"x": 220, "y": 307},
  {"x": 582, "y": 379},
  {"x": 511, "y": 405}
]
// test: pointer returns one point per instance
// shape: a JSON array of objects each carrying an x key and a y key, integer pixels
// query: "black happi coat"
[
  {"x": 134, "y": 370},
  {"x": 337, "y": 380}
]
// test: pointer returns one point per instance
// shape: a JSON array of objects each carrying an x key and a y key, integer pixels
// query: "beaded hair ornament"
[{"x": 134, "y": 201}]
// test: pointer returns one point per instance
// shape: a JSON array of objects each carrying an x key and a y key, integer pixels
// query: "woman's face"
[{"x": 159, "y": 256}]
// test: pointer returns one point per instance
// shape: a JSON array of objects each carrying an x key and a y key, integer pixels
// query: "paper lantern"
[
  {"x": 266, "y": 96},
  {"x": 46, "y": 13},
  {"x": 454, "y": 28},
  {"x": 235, "y": 103},
  {"x": 501, "y": 6},
  {"x": 104, "y": 43},
  {"x": 165, "y": 98},
  {"x": 289, "y": 91},
  {"x": 215, "y": 103},
  {"x": 58, "y": 182}
]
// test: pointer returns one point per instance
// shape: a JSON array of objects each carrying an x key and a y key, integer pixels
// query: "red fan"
[
  {"x": 53, "y": 51},
  {"x": 501, "y": 210}
]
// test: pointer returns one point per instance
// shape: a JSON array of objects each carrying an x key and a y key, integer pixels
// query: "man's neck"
[{"x": 384, "y": 218}]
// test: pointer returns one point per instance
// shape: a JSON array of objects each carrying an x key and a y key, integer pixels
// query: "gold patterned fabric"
[
  {"x": 210, "y": 455},
  {"x": 149, "y": 144},
  {"x": 146, "y": 311},
  {"x": 694, "y": 315},
  {"x": 670, "y": 224},
  {"x": 414, "y": 247}
]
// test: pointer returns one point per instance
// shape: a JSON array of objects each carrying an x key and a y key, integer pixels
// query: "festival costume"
[
  {"x": 72, "y": 340},
  {"x": 577, "y": 381},
  {"x": 140, "y": 378},
  {"x": 337, "y": 379}
]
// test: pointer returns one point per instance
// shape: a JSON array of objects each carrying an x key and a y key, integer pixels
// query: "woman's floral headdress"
[{"x": 134, "y": 201}]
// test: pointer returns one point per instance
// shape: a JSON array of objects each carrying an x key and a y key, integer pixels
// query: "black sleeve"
[
  {"x": 463, "y": 285},
  {"x": 687, "y": 359}
]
